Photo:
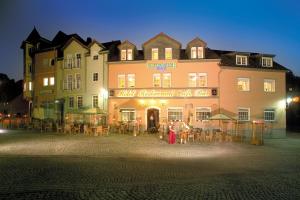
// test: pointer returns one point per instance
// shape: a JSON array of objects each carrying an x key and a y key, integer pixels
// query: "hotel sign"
[
  {"x": 163, "y": 93},
  {"x": 162, "y": 66}
]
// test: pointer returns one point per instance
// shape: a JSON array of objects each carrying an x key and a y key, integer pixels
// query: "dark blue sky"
[{"x": 269, "y": 26}]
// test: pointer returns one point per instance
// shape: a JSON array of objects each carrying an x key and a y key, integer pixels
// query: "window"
[
  {"x": 243, "y": 84},
  {"x": 127, "y": 115},
  {"x": 168, "y": 53},
  {"x": 78, "y": 60},
  {"x": 30, "y": 86},
  {"x": 192, "y": 79},
  {"x": 24, "y": 87},
  {"x": 123, "y": 54},
  {"x": 174, "y": 114},
  {"x": 266, "y": 62},
  {"x": 269, "y": 115},
  {"x": 95, "y": 57},
  {"x": 241, "y": 60},
  {"x": 269, "y": 85},
  {"x": 69, "y": 82},
  {"x": 129, "y": 54},
  {"x": 95, "y": 76},
  {"x": 131, "y": 80},
  {"x": 71, "y": 102},
  {"x": 200, "y": 52},
  {"x": 45, "y": 82},
  {"x": 52, "y": 81},
  {"x": 166, "y": 83},
  {"x": 121, "y": 81},
  {"x": 194, "y": 52},
  {"x": 30, "y": 67},
  {"x": 95, "y": 101},
  {"x": 203, "y": 113},
  {"x": 68, "y": 63},
  {"x": 154, "y": 53},
  {"x": 77, "y": 81},
  {"x": 202, "y": 80},
  {"x": 79, "y": 102},
  {"x": 51, "y": 62},
  {"x": 156, "y": 80},
  {"x": 244, "y": 114}
]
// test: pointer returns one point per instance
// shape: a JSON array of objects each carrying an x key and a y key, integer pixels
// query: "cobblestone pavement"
[{"x": 53, "y": 166}]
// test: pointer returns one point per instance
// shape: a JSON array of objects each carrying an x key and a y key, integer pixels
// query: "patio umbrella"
[{"x": 220, "y": 117}]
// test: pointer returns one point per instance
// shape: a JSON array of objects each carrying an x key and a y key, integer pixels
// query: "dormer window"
[
  {"x": 196, "y": 52},
  {"x": 154, "y": 53},
  {"x": 267, "y": 62},
  {"x": 126, "y": 54},
  {"x": 168, "y": 53},
  {"x": 241, "y": 60}
]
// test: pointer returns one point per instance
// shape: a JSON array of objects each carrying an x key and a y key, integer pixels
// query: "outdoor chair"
[
  {"x": 191, "y": 135},
  {"x": 67, "y": 128},
  {"x": 48, "y": 127},
  {"x": 99, "y": 131},
  {"x": 228, "y": 138},
  {"x": 76, "y": 128},
  {"x": 219, "y": 137},
  {"x": 202, "y": 135},
  {"x": 209, "y": 137},
  {"x": 59, "y": 128},
  {"x": 87, "y": 130}
]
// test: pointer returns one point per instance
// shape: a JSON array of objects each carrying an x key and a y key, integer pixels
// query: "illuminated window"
[
  {"x": 71, "y": 102},
  {"x": 243, "y": 84},
  {"x": 121, "y": 81},
  {"x": 203, "y": 113},
  {"x": 202, "y": 79},
  {"x": 30, "y": 86},
  {"x": 154, "y": 53},
  {"x": 45, "y": 82},
  {"x": 127, "y": 115},
  {"x": 95, "y": 101},
  {"x": 266, "y": 62},
  {"x": 131, "y": 80},
  {"x": 24, "y": 87},
  {"x": 168, "y": 53},
  {"x": 166, "y": 83},
  {"x": 129, "y": 54},
  {"x": 269, "y": 115},
  {"x": 77, "y": 81},
  {"x": 95, "y": 76},
  {"x": 175, "y": 114},
  {"x": 241, "y": 60},
  {"x": 123, "y": 54},
  {"x": 194, "y": 52},
  {"x": 156, "y": 80},
  {"x": 52, "y": 81},
  {"x": 200, "y": 52},
  {"x": 244, "y": 114},
  {"x": 192, "y": 79},
  {"x": 79, "y": 101},
  {"x": 269, "y": 85}
]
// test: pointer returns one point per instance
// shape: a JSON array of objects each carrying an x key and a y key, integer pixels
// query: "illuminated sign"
[
  {"x": 157, "y": 93},
  {"x": 162, "y": 66}
]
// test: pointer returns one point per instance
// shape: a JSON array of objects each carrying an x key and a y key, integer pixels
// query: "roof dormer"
[
  {"x": 196, "y": 49},
  {"x": 127, "y": 50}
]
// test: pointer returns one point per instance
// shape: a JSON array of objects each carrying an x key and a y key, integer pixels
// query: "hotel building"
[
  {"x": 191, "y": 84},
  {"x": 65, "y": 78}
]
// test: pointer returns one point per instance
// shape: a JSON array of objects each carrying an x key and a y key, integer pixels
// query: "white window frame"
[
  {"x": 202, "y": 75},
  {"x": 77, "y": 63},
  {"x": 194, "y": 52},
  {"x": 273, "y": 85},
  {"x": 175, "y": 108},
  {"x": 192, "y": 81},
  {"x": 242, "y": 108},
  {"x": 77, "y": 81},
  {"x": 163, "y": 78},
  {"x": 128, "y": 82},
  {"x": 69, "y": 82},
  {"x": 129, "y": 54},
  {"x": 94, "y": 97},
  {"x": 171, "y": 53},
  {"x": 123, "y": 77},
  {"x": 95, "y": 76},
  {"x": 45, "y": 82},
  {"x": 123, "y": 54},
  {"x": 153, "y": 82},
  {"x": 239, "y": 60},
  {"x": 78, "y": 101},
  {"x": 203, "y": 108},
  {"x": 267, "y": 62},
  {"x": 127, "y": 110},
  {"x": 154, "y": 54},
  {"x": 243, "y": 79},
  {"x": 200, "y": 52},
  {"x": 73, "y": 100},
  {"x": 52, "y": 80},
  {"x": 269, "y": 111}
]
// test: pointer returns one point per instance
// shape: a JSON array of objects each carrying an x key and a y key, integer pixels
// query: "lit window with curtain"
[
  {"x": 166, "y": 83},
  {"x": 156, "y": 80},
  {"x": 243, "y": 84}
]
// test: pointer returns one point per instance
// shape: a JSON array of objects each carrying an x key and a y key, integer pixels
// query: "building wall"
[{"x": 28, "y": 77}]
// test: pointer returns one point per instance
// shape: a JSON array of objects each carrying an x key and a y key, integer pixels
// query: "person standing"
[{"x": 172, "y": 136}]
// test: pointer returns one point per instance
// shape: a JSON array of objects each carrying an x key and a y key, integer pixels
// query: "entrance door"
[{"x": 152, "y": 119}]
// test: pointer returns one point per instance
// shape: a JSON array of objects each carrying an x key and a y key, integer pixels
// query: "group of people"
[{"x": 178, "y": 128}]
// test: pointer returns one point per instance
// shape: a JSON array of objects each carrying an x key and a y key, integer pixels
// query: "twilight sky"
[{"x": 269, "y": 26}]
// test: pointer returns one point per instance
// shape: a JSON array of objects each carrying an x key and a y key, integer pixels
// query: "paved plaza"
[{"x": 57, "y": 166}]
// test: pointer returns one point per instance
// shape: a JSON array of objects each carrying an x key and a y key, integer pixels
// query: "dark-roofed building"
[{"x": 163, "y": 83}]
